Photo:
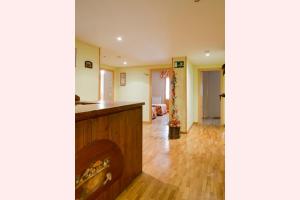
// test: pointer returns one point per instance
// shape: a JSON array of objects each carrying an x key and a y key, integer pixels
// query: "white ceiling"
[{"x": 153, "y": 31}]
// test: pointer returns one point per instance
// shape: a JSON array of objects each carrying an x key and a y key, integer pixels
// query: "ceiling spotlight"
[
  {"x": 207, "y": 53},
  {"x": 125, "y": 63},
  {"x": 119, "y": 38}
]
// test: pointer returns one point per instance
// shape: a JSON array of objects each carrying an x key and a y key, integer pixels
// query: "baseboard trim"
[{"x": 211, "y": 117}]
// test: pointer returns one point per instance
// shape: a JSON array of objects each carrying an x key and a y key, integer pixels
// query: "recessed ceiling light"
[
  {"x": 119, "y": 38},
  {"x": 125, "y": 63},
  {"x": 207, "y": 53}
]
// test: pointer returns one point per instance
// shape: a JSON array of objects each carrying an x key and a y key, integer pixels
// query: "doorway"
[
  {"x": 106, "y": 85},
  {"x": 209, "y": 106},
  {"x": 211, "y": 100},
  {"x": 159, "y": 97}
]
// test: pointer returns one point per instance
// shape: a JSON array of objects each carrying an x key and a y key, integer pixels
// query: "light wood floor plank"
[{"x": 190, "y": 168}]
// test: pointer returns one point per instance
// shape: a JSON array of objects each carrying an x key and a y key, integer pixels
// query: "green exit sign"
[{"x": 178, "y": 64}]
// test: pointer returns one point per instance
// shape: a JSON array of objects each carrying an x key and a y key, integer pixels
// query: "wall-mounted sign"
[
  {"x": 178, "y": 64},
  {"x": 88, "y": 64}
]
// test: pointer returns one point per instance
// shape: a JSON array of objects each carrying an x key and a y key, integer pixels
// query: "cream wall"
[
  {"x": 137, "y": 86},
  {"x": 87, "y": 80},
  {"x": 190, "y": 94}
]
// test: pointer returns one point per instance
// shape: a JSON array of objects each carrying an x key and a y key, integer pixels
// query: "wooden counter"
[
  {"x": 90, "y": 109},
  {"x": 117, "y": 130}
]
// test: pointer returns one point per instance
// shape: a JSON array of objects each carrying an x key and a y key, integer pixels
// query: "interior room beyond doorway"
[
  {"x": 211, "y": 98},
  {"x": 160, "y": 93}
]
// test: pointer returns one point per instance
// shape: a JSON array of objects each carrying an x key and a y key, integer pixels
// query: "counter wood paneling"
[{"x": 120, "y": 123}]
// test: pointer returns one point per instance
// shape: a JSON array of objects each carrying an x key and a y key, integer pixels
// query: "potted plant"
[
  {"x": 174, "y": 129},
  {"x": 174, "y": 122}
]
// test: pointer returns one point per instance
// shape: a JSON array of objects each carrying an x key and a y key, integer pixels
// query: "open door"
[
  {"x": 200, "y": 101},
  {"x": 106, "y": 85}
]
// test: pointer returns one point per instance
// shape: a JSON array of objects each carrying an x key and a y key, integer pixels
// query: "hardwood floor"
[
  {"x": 211, "y": 121},
  {"x": 191, "y": 167}
]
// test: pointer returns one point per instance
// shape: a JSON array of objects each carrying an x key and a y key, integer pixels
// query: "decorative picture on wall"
[
  {"x": 88, "y": 64},
  {"x": 122, "y": 79}
]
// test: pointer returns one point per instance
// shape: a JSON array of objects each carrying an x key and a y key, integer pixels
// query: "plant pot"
[{"x": 174, "y": 132}]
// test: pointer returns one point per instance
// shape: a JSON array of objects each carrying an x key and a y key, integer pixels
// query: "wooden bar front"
[{"x": 121, "y": 124}]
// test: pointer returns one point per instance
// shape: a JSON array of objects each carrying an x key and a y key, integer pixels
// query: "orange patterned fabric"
[
  {"x": 154, "y": 114},
  {"x": 161, "y": 109}
]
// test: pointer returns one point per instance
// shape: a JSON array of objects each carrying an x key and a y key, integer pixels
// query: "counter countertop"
[{"x": 90, "y": 109}]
